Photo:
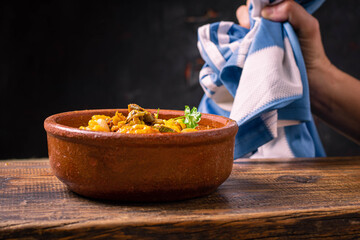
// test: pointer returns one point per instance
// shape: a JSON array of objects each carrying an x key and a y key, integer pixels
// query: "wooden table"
[{"x": 268, "y": 199}]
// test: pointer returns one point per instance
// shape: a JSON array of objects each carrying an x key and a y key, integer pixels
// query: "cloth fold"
[{"x": 257, "y": 77}]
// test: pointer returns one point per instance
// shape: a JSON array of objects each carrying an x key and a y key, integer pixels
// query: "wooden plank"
[{"x": 271, "y": 199}]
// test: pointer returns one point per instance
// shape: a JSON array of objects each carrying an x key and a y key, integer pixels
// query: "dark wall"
[{"x": 68, "y": 55}]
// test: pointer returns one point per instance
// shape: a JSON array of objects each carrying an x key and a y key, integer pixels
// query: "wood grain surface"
[{"x": 267, "y": 199}]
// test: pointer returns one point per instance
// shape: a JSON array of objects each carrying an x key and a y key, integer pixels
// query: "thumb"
[{"x": 304, "y": 23}]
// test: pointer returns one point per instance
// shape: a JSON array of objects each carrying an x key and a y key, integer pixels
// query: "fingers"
[
  {"x": 242, "y": 15},
  {"x": 308, "y": 31},
  {"x": 290, "y": 11}
]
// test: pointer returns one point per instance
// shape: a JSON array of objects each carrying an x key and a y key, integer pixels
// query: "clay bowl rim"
[{"x": 230, "y": 127}]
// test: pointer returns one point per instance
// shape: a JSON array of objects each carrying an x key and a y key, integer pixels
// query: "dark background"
[{"x": 70, "y": 55}]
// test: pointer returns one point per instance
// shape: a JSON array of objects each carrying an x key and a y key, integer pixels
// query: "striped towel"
[{"x": 258, "y": 78}]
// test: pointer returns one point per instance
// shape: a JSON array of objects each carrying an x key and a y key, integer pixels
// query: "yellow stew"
[{"x": 140, "y": 121}]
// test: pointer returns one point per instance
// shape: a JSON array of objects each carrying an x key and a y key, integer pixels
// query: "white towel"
[{"x": 257, "y": 77}]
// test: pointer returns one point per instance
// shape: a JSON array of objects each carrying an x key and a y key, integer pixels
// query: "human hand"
[{"x": 304, "y": 24}]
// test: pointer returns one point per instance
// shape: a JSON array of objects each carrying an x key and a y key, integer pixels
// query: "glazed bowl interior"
[{"x": 140, "y": 167}]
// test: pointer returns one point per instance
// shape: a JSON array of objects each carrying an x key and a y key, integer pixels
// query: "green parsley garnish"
[
  {"x": 157, "y": 114},
  {"x": 191, "y": 117}
]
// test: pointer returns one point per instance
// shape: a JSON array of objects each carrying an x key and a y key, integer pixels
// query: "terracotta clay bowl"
[{"x": 140, "y": 167}]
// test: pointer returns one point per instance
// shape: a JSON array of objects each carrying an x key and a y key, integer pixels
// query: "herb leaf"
[{"x": 192, "y": 117}]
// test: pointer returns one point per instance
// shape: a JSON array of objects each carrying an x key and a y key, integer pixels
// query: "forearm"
[{"x": 335, "y": 98}]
